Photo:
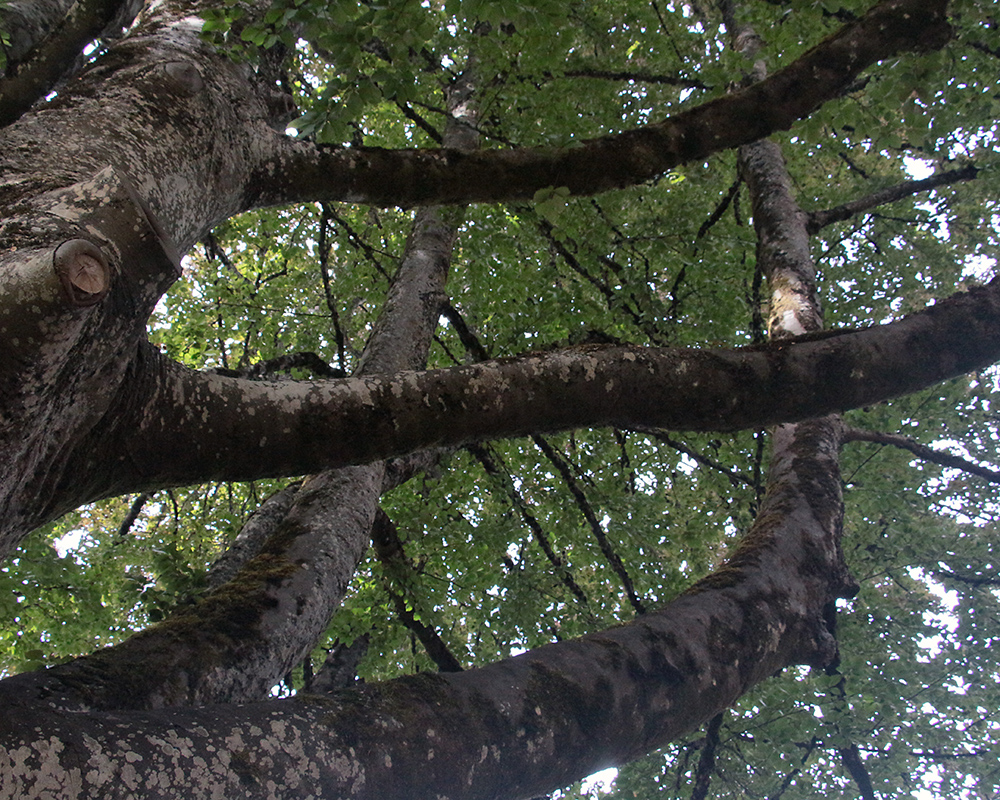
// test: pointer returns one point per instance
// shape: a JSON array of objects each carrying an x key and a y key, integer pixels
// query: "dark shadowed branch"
[
  {"x": 312, "y": 425},
  {"x": 31, "y": 76},
  {"x": 817, "y": 220},
  {"x": 923, "y": 451},
  {"x": 399, "y": 572},
  {"x": 300, "y": 171},
  {"x": 499, "y": 472},
  {"x": 563, "y": 468}
]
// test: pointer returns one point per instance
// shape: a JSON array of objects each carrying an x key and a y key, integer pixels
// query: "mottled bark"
[
  {"x": 268, "y": 607},
  {"x": 783, "y": 250},
  {"x": 355, "y": 420},
  {"x": 515, "y": 729},
  {"x": 113, "y": 394},
  {"x": 137, "y": 159},
  {"x": 47, "y": 42}
]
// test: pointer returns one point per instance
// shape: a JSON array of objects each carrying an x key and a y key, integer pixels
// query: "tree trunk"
[{"x": 138, "y": 158}]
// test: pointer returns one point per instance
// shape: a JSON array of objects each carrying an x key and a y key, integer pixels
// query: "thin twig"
[{"x": 922, "y": 451}]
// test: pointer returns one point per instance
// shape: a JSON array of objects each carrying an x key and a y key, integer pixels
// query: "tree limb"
[
  {"x": 817, "y": 220},
  {"x": 612, "y": 557},
  {"x": 596, "y": 701},
  {"x": 922, "y": 451},
  {"x": 311, "y": 425},
  {"x": 301, "y": 171},
  {"x": 32, "y": 75}
]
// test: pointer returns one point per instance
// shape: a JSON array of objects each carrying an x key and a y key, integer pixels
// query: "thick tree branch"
[
  {"x": 597, "y": 701},
  {"x": 32, "y": 75},
  {"x": 241, "y": 637},
  {"x": 851, "y": 759},
  {"x": 817, "y": 220},
  {"x": 301, "y": 171},
  {"x": 253, "y": 535},
  {"x": 638, "y": 76},
  {"x": 310, "y": 425},
  {"x": 922, "y": 451}
]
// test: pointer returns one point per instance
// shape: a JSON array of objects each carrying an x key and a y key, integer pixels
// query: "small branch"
[
  {"x": 562, "y": 466},
  {"x": 466, "y": 336},
  {"x": 720, "y": 209},
  {"x": 706, "y": 763},
  {"x": 420, "y": 122},
  {"x": 851, "y": 760},
  {"x": 923, "y": 451},
  {"x": 969, "y": 580},
  {"x": 817, "y": 220},
  {"x": 735, "y": 478},
  {"x": 267, "y": 369},
  {"x": 331, "y": 303},
  {"x": 491, "y": 467},
  {"x": 133, "y": 514},
  {"x": 389, "y": 550}
]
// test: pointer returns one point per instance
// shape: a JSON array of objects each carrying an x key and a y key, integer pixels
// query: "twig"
[
  {"x": 922, "y": 451},
  {"x": 817, "y": 220}
]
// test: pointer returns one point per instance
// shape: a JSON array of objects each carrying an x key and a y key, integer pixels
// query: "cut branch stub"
[
  {"x": 184, "y": 78},
  {"x": 83, "y": 271}
]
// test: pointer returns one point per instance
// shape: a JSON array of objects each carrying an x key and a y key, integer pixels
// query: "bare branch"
[
  {"x": 851, "y": 759},
  {"x": 922, "y": 451},
  {"x": 612, "y": 557},
  {"x": 389, "y": 550},
  {"x": 735, "y": 478},
  {"x": 492, "y": 468},
  {"x": 133, "y": 513},
  {"x": 817, "y": 220},
  {"x": 706, "y": 762}
]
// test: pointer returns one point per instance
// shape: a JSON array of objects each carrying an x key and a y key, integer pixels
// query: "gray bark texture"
[{"x": 162, "y": 138}]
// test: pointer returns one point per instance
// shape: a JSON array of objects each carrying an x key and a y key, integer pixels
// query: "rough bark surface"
[
  {"x": 135, "y": 160},
  {"x": 523, "y": 726}
]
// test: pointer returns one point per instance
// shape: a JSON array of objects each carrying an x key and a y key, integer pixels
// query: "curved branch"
[
  {"x": 299, "y": 171},
  {"x": 33, "y": 73},
  {"x": 817, "y": 220},
  {"x": 180, "y": 426},
  {"x": 922, "y": 451},
  {"x": 596, "y": 701}
]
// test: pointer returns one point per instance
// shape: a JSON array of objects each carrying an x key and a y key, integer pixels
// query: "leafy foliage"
[{"x": 514, "y": 544}]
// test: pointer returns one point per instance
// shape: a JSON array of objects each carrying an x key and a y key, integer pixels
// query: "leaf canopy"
[{"x": 514, "y": 544}]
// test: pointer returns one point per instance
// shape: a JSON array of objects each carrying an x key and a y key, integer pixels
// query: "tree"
[{"x": 689, "y": 240}]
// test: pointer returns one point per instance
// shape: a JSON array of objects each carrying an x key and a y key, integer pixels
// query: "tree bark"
[
  {"x": 515, "y": 729},
  {"x": 163, "y": 138},
  {"x": 91, "y": 410}
]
